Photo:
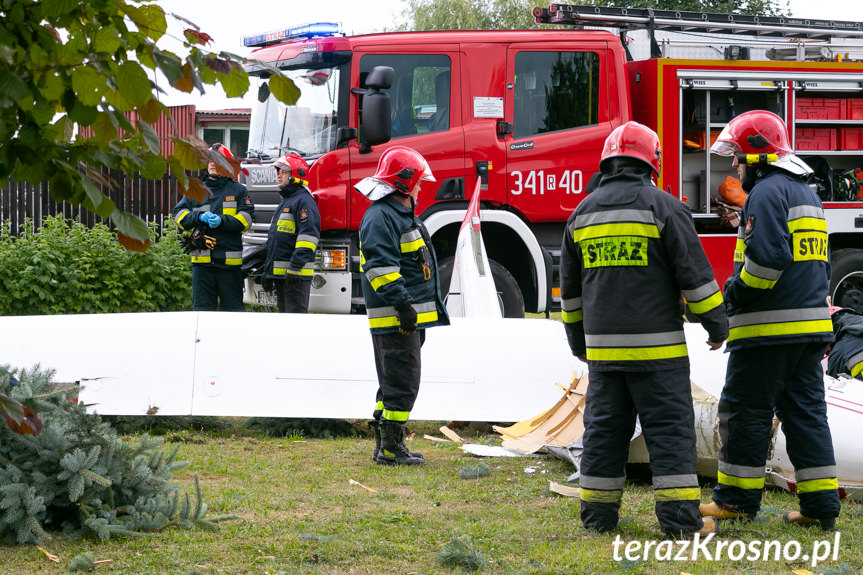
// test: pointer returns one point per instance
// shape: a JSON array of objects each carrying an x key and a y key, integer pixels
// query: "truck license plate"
[{"x": 267, "y": 299}]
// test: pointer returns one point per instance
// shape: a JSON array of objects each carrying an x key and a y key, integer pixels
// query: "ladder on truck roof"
[{"x": 626, "y": 19}]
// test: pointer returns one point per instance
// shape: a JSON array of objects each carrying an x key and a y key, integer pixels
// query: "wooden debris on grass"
[
  {"x": 558, "y": 426},
  {"x": 50, "y": 556},
  {"x": 564, "y": 490},
  {"x": 433, "y": 438},
  {"x": 452, "y": 435},
  {"x": 355, "y": 482}
]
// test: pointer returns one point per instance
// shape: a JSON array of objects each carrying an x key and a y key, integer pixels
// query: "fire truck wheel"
[
  {"x": 846, "y": 282},
  {"x": 508, "y": 293}
]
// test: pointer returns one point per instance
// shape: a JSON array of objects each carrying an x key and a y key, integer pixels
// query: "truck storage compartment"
[
  {"x": 821, "y": 109},
  {"x": 851, "y": 138},
  {"x": 815, "y": 139},
  {"x": 854, "y": 109}
]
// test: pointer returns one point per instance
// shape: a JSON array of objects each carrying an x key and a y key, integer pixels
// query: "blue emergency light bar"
[{"x": 315, "y": 30}]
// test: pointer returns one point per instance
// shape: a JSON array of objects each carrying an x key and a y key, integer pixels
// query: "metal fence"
[{"x": 151, "y": 200}]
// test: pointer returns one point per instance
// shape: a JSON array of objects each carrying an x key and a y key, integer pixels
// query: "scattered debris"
[
  {"x": 50, "y": 556},
  {"x": 564, "y": 490},
  {"x": 490, "y": 450},
  {"x": 474, "y": 471},
  {"x": 354, "y": 482},
  {"x": 452, "y": 435},
  {"x": 85, "y": 562},
  {"x": 559, "y": 426},
  {"x": 439, "y": 439},
  {"x": 460, "y": 553}
]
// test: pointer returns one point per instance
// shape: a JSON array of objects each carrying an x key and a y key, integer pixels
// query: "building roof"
[{"x": 224, "y": 115}]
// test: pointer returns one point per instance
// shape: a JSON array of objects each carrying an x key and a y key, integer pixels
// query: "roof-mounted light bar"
[{"x": 304, "y": 31}]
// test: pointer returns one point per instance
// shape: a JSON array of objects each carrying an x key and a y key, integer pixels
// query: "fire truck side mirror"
[
  {"x": 263, "y": 91},
  {"x": 375, "y": 124}
]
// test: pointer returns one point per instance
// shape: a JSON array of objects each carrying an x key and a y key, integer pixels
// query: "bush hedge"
[{"x": 67, "y": 268}]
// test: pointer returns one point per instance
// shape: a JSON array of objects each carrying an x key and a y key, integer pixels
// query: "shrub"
[
  {"x": 66, "y": 268},
  {"x": 77, "y": 476}
]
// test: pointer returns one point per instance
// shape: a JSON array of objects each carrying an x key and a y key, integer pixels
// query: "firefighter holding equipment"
[
  {"x": 402, "y": 294},
  {"x": 779, "y": 329},
  {"x": 629, "y": 252},
  {"x": 216, "y": 246},
  {"x": 846, "y": 353},
  {"x": 293, "y": 237}
]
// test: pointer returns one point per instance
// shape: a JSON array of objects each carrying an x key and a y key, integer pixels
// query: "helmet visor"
[
  {"x": 427, "y": 174},
  {"x": 724, "y": 144}
]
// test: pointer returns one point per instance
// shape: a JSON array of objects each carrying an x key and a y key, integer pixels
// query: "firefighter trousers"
[
  {"x": 397, "y": 361},
  {"x": 214, "y": 287},
  {"x": 786, "y": 380},
  {"x": 292, "y": 295},
  {"x": 663, "y": 402}
]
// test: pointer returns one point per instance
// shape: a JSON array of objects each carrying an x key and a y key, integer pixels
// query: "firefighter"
[
  {"x": 402, "y": 293},
  {"x": 846, "y": 353},
  {"x": 629, "y": 252},
  {"x": 779, "y": 329},
  {"x": 221, "y": 220},
  {"x": 293, "y": 237}
]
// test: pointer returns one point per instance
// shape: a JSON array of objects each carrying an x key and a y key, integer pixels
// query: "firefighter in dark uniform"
[
  {"x": 402, "y": 294},
  {"x": 779, "y": 329},
  {"x": 293, "y": 237},
  {"x": 629, "y": 252},
  {"x": 221, "y": 220},
  {"x": 846, "y": 353}
]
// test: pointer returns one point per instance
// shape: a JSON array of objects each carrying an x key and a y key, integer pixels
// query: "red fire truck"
[{"x": 527, "y": 112}]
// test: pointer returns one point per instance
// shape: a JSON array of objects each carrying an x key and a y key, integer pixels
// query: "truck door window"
[
  {"x": 554, "y": 91},
  {"x": 420, "y": 94}
]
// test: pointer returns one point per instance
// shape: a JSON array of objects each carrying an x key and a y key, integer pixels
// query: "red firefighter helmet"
[
  {"x": 296, "y": 167},
  {"x": 633, "y": 140},
  {"x": 225, "y": 151},
  {"x": 754, "y": 132},
  {"x": 403, "y": 168}
]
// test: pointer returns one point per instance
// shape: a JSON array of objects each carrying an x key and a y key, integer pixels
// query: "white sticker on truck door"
[{"x": 487, "y": 107}]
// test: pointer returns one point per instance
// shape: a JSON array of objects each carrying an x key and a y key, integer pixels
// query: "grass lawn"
[{"x": 298, "y": 512}]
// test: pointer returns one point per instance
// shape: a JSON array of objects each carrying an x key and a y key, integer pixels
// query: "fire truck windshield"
[{"x": 308, "y": 127}]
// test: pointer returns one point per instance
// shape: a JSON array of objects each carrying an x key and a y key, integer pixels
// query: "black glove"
[
  {"x": 407, "y": 318},
  {"x": 267, "y": 283}
]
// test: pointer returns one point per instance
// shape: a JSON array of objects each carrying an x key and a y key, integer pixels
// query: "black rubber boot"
[
  {"x": 375, "y": 424},
  {"x": 393, "y": 450}
]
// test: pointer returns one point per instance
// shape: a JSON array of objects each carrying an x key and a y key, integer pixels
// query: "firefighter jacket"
[
  {"x": 778, "y": 291},
  {"x": 846, "y": 354},
  {"x": 294, "y": 234},
  {"x": 398, "y": 265},
  {"x": 629, "y": 252},
  {"x": 230, "y": 200}
]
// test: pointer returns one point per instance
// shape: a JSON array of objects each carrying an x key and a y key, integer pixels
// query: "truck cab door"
[
  {"x": 557, "y": 107},
  {"x": 426, "y": 116}
]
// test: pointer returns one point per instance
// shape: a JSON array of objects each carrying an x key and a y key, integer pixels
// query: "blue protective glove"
[{"x": 213, "y": 220}]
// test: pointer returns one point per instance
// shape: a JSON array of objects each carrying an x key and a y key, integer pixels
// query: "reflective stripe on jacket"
[
  {"x": 230, "y": 200},
  {"x": 293, "y": 237},
  {"x": 398, "y": 265},
  {"x": 630, "y": 251},
  {"x": 778, "y": 291}
]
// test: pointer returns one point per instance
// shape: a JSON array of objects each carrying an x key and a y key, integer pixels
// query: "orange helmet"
[
  {"x": 755, "y": 132},
  {"x": 403, "y": 168},
  {"x": 633, "y": 140},
  {"x": 296, "y": 167}
]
